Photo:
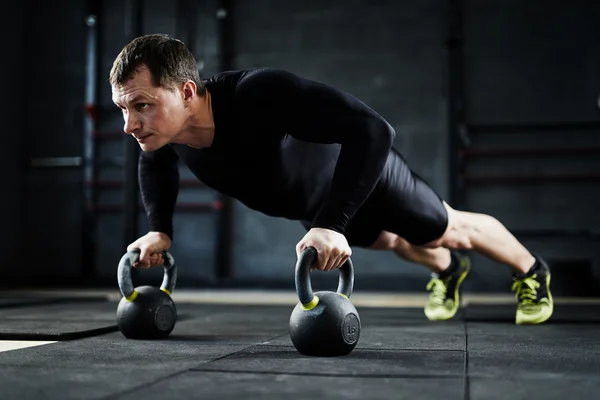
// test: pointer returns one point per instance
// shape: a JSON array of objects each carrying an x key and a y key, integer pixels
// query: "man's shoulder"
[
  {"x": 225, "y": 77},
  {"x": 253, "y": 86},
  {"x": 241, "y": 75}
]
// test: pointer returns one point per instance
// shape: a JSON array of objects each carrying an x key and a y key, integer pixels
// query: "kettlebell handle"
[
  {"x": 124, "y": 274},
  {"x": 303, "y": 285}
]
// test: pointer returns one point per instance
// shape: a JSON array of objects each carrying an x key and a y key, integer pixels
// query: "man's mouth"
[{"x": 141, "y": 138}]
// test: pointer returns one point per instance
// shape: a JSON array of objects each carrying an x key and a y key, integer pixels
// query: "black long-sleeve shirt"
[{"x": 284, "y": 146}]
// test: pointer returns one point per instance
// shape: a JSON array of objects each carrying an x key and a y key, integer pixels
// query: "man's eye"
[{"x": 142, "y": 106}]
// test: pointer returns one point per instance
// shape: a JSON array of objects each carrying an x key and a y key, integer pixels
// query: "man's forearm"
[{"x": 159, "y": 186}]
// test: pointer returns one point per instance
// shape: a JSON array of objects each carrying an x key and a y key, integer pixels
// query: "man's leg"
[
  {"x": 487, "y": 235},
  {"x": 436, "y": 259},
  {"x": 448, "y": 272},
  {"x": 407, "y": 206}
]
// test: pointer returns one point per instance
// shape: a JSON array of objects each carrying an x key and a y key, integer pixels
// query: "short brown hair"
[{"x": 169, "y": 61}]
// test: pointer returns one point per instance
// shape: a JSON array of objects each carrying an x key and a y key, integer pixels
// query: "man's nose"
[{"x": 132, "y": 124}]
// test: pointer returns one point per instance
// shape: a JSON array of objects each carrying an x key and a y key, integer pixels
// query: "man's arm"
[
  {"x": 316, "y": 112},
  {"x": 158, "y": 175}
]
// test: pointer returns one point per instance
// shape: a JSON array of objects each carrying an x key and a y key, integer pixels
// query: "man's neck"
[{"x": 200, "y": 130}]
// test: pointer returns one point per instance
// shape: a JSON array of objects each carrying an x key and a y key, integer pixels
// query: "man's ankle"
[
  {"x": 450, "y": 268},
  {"x": 530, "y": 267}
]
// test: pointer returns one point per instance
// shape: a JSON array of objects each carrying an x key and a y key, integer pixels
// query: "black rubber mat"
[
  {"x": 380, "y": 329},
  {"x": 533, "y": 352},
  {"x": 63, "y": 321},
  {"x": 72, "y": 383},
  {"x": 563, "y": 313},
  {"x": 113, "y": 351},
  {"x": 251, "y": 386},
  {"x": 10, "y": 301},
  {"x": 382, "y": 363},
  {"x": 229, "y": 351},
  {"x": 555, "y": 388}
]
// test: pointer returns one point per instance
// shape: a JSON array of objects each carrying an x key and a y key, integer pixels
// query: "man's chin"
[{"x": 152, "y": 146}]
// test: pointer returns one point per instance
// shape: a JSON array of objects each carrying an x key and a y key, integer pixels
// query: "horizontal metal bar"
[
  {"x": 115, "y": 184},
  {"x": 539, "y": 127},
  {"x": 581, "y": 151},
  {"x": 527, "y": 179},
  {"x": 184, "y": 207},
  {"x": 51, "y": 162}
]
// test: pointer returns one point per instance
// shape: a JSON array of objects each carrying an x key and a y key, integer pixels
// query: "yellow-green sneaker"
[
  {"x": 444, "y": 296},
  {"x": 532, "y": 290}
]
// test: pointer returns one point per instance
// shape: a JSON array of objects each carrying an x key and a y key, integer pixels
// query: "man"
[{"x": 298, "y": 149}]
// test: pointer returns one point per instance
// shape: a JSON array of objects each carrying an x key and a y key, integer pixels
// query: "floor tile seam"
[
  {"x": 466, "y": 376},
  {"x": 380, "y": 349},
  {"x": 180, "y": 372},
  {"x": 144, "y": 385},
  {"x": 327, "y": 375},
  {"x": 246, "y": 347}
]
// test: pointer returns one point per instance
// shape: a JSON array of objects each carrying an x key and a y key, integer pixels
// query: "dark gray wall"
[
  {"x": 195, "y": 231},
  {"x": 391, "y": 55},
  {"x": 12, "y": 107},
  {"x": 525, "y": 62},
  {"x": 318, "y": 42},
  {"x": 54, "y": 113}
]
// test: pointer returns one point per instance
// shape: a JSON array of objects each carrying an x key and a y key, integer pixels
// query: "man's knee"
[
  {"x": 385, "y": 241},
  {"x": 391, "y": 241},
  {"x": 459, "y": 231}
]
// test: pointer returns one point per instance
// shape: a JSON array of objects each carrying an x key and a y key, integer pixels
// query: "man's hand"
[
  {"x": 151, "y": 247},
  {"x": 332, "y": 247}
]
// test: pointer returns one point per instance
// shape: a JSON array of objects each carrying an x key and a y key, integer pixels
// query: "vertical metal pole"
[
  {"x": 134, "y": 28},
  {"x": 186, "y": 22},
  {"x": 224, "y": 265},
  {"x": 457, "y": 101},
  {"x": 89, "y": 149}
]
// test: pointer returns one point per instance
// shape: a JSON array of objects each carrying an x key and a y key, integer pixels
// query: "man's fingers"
[
  {"x": 343, "y": 261},
  {"x": 335, "y": 259},
  {"x": 144, "y": 259},
  {"x": 298, "y": 250},
  {"x": 336, "y": 263},
  {"x": 329, "y": 262},
  {"x": 321, "y": 261},
  {"x": 133, "y": 246},
  {"x": 156, "y": 259}
]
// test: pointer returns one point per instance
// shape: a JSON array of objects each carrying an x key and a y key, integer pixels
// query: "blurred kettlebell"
[
  {"x": 324, "y": 324},
  {"x": 146, "y": 312}
]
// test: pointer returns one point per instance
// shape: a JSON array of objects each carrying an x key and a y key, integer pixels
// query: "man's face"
[{"x": 153, "y": 115}]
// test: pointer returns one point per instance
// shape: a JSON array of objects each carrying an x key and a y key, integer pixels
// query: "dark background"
[{"x": 494, "y": 102}]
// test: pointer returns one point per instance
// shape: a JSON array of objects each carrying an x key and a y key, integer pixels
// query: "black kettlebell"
[
  {"x": 324, "y": 324},
  {"x": 146, "y": 312}
]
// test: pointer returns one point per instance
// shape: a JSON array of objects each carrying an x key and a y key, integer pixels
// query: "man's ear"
[{"x": 189, "y": 90}]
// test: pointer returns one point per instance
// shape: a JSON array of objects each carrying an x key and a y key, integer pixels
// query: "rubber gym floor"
[{"x": 232, "y": 345}]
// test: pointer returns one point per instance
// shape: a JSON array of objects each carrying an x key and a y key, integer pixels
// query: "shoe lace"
[
  {"x": 438, "y": 288},
  {"x": 526, "y": 290}
]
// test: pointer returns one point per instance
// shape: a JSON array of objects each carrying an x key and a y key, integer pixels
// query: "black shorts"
[{"x": 402, "y": 203}]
